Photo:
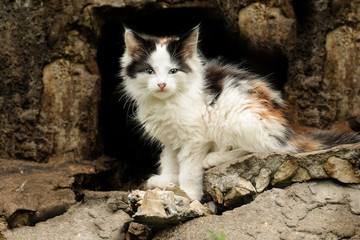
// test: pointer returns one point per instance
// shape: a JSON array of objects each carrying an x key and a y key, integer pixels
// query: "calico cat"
[{"x": 205, "y": 112}]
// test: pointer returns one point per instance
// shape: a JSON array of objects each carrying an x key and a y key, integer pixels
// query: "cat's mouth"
[{"x": 162, "y": 93}]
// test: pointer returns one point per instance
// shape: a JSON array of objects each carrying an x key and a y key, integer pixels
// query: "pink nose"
[{"x": 162, "y": 86}]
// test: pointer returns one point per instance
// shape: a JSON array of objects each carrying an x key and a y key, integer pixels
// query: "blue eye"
[
  {"x": 173, "y": 71},
  {"x": 149, "y": 71}
]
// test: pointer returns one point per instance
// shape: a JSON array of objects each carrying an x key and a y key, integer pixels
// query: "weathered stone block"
[
  {"x": 342, "y": 170},
  {"x": 268, "y": 28},
  {"x": 163, "y": 207}
]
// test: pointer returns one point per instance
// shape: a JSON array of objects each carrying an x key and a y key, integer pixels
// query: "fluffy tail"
[{"x": 312, "y": 141}]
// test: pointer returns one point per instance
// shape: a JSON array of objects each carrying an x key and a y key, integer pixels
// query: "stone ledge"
[
  {"x": 32, "y": 192},
  {"x": 252, "y": 174},
  {"x": 100, "y": 216}
]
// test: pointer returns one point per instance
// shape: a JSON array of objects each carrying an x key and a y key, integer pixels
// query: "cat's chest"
[{"x": 171, "y": 124}]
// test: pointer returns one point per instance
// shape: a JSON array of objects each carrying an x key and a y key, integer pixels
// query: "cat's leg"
[
  {"x": 169, "y": 170},
  {"x": 190, "y": 168},
  {"x": 213, "y": 159}
]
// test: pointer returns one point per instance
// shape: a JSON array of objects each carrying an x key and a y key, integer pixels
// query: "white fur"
[{"x": 196, "y": 135}]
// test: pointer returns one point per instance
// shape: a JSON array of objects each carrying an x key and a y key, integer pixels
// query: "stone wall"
[
  {"x": 323, "y": 80},
  {"x": 50, "y": 82}
]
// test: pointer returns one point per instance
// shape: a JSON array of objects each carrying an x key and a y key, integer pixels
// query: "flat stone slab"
[
  {"x": 315, "y": 210},
  {"x": 31, "y": 192},
  {"x": 102, "y": 215}
]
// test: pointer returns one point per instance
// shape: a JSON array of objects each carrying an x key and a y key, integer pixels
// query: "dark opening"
[{"x": 121, "y": 135}]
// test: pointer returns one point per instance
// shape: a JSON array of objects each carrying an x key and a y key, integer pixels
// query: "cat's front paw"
[
  {"x": 193, "y": 193},
  {"x": 211, "y": 160},
  {"x": 161, "y": 181}
]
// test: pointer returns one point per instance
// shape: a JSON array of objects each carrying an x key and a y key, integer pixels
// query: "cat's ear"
[
  {"x": 189, "y": 42},
  {"x": 133, "y": 43}
]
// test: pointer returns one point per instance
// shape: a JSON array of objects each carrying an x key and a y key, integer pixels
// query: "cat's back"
[
  {"x": 242, "y": 106},
  {"x": 230, "y": 82}
]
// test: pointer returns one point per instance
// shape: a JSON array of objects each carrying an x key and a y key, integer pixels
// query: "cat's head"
[{"x": 160, "y": 67}]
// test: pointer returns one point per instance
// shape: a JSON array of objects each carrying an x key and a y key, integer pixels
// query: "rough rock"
[
  {"x": 322, "y": 89},
  {"x": 138, "y": 231},
  {"x": 162, "y": 208},
  {"x": 301, "y": 175},
  {"x": 32, "y": 192},
  {"x": 316, "y": 210},
  {"x": 36, "y": 35},
  {"x": 95, "y": 218},
  {"x": 69, "y": 99},
  {"x": 232, "y": 181},
  {"x": 342, "y": 68},
  {"x": 263, "y": 179},
  {"x": 342, "y": 170},
  {"x": 286, "y": 170},
  {"x": 268, "y": 28},
  {"x": 234, "y": 196}
]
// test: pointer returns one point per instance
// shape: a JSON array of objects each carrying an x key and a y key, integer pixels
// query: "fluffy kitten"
[{"x": 205, "y": 113}]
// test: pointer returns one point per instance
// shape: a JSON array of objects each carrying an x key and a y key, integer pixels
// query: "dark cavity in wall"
[{"x": 121, "y": 136}]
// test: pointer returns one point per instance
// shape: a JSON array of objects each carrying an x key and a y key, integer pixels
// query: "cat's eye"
[
  {"x": 173, "y": 71},
  {"x": 149, "y": 71}
]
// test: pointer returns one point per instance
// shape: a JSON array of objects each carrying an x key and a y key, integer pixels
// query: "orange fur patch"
[
  {"x": 306, "y": 143},
  {"x": 264, "y": 96},
  {"x": 261, "y": 91},
  {"x": 301, "y": 129},
  {"x": 164, "y": 41}
]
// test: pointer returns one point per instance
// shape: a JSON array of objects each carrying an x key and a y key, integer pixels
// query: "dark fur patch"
[
  {"x": 214, "y": 78},
  {"x": 137, "y": 67},
  {"x": 332, "y": 139},
  {"x": 313, "y": 141},
  {"x": 174, "y": 47},
  {"x": 284, "y": 140},
  {"x": 215, "y": 74},
  {"x": 139, "y": 64}
]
